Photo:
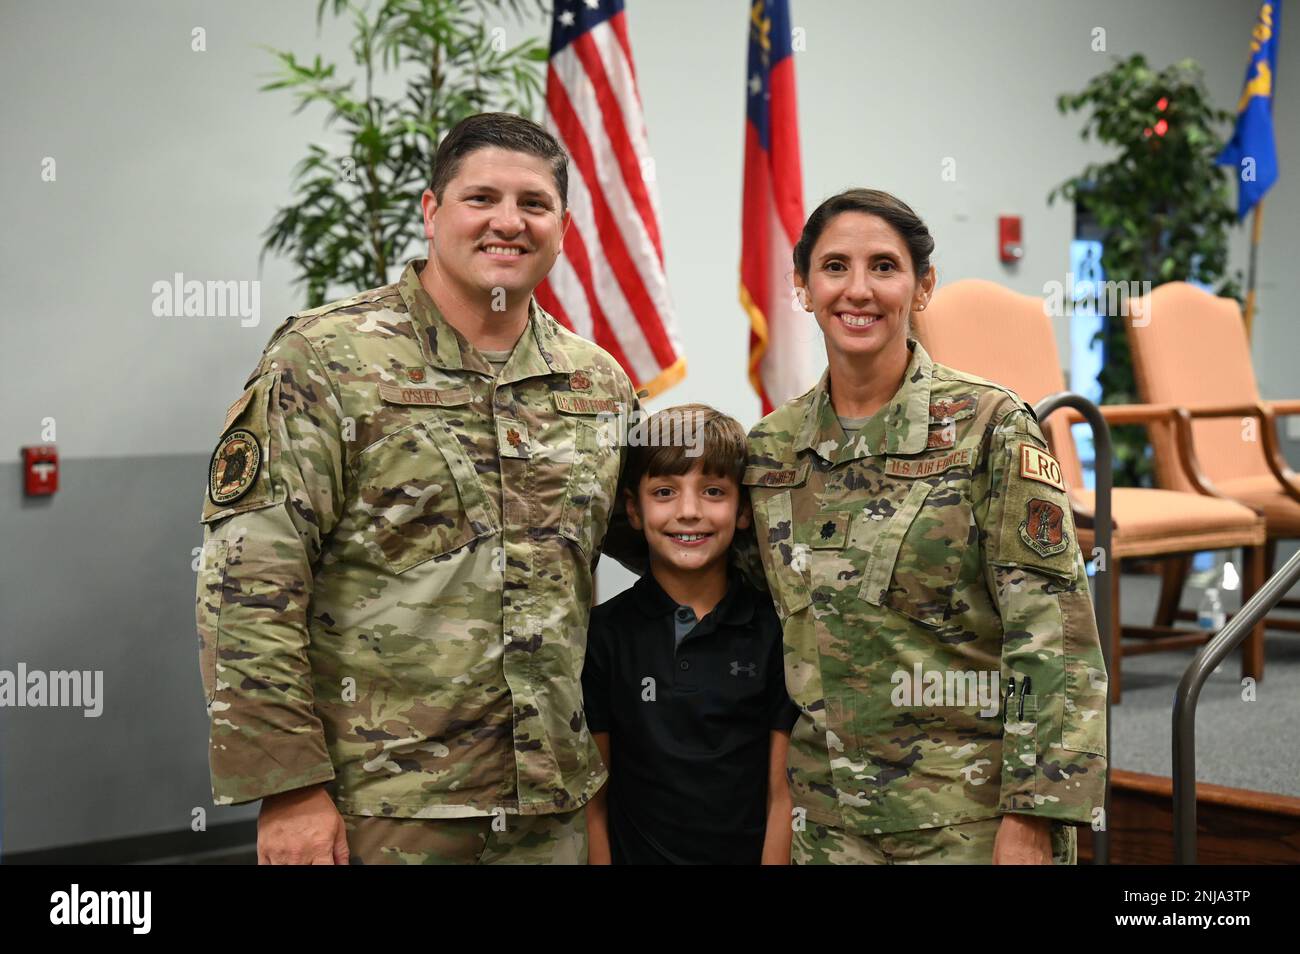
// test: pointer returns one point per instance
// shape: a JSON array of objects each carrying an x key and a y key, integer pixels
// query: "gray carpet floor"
[{"x": 1238, "y": 743}]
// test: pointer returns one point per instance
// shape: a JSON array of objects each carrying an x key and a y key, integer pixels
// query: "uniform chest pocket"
[
  {"x": 916, "y": 560},
  {"x": 590, "y": 485},
  {"x": 786, "y": 563},
  {"x": 420, "y": 495}
]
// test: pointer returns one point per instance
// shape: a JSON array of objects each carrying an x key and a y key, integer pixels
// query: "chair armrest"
[
  {"x": 1187, "y": 456},
  {"x": 1150, "y": 414},
  {"x": 1277, "y": 465},
  {"x": 1277, "y": 462},
  {"x": 1263, "y": 412},
  {"x": 1126, "y": 413},
  {"x": 1283, "y": 408},
  {"x": 1201, "y": 411}
]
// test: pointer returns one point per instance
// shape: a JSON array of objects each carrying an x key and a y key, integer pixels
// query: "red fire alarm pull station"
[
  {"x": 1009, "y": 247},
  {"x": 40, "y": 471}
]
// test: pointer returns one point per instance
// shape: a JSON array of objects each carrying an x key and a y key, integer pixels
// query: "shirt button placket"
[{"x": 685, "y": 616}]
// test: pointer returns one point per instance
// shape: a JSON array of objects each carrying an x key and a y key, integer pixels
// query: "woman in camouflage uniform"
[{"x": 917, "y": 539}]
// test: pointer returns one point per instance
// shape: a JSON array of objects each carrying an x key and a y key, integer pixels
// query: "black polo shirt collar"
[{"x": 735, "y": 609}]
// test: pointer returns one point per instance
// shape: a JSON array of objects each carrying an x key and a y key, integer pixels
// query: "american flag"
[
  {"x": 772, "y": 215},
  {"x": 608, "y": 284}
]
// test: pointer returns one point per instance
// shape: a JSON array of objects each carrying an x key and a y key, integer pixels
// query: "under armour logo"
[{"x": 750, "y": 670}]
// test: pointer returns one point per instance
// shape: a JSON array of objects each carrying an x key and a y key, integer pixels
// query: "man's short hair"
[
  {"x": 718, "y": 438},
  {"x": 504, "y": 131}
]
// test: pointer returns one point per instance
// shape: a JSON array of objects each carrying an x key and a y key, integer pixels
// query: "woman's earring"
[{"x": 803, "y": 299}]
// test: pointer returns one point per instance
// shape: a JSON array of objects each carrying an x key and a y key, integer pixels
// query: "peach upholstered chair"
[
  {"x": 996, "y": 333},
  {"x": 1190, "y": 350}
]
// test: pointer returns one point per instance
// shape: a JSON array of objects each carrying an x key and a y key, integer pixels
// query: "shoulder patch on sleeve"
[
  {"x": 239, "y": 476},
  {"x": 234, "y": 467},
  {"x": 1037, "y": 527},
  {"x": 1037, "y": 464},
  {"x": 1043, "y": 529}
]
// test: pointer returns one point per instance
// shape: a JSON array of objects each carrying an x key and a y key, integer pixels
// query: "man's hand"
[
  {"x": 1023, "y": 840},
  {"x": 301, "y": 827}
]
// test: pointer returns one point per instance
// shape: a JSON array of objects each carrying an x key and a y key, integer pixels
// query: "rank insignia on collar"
[
  {"x": 234, "y": 467},
  {"x": 1043, "y": 529},
  {"x": 579, "y": 381}
]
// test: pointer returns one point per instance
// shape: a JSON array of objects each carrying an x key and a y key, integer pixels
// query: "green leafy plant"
[
  {"x": 356, "y": 214},
  {"x": 1162, "y": 203}
]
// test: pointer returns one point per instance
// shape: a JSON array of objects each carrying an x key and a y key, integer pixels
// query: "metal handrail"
[
  {"x": 1189, "y": 693},
  {"x": 1101, "y": 602}
]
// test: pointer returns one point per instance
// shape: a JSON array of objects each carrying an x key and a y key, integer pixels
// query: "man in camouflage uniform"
[
  {"x": 931, "y": 548},
  {"x": 404, "y": 512}
]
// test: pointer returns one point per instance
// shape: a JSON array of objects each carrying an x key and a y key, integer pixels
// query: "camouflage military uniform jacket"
[
  {"x": 934, "y": 547},
  {"x": 398, "y": 559}
]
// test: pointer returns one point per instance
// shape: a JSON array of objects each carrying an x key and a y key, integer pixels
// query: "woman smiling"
[{"x": 918, "y": 544}]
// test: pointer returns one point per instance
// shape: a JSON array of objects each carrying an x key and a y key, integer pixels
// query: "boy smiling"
[{"x": 684, "y": 686}]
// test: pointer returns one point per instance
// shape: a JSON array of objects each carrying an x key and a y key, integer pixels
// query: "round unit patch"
[
  {"x": 234, "y": 467},
  {"x": 1043, "y": 527}
]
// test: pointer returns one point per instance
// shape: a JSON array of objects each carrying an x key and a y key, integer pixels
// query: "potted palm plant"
[{"x": 354, "y": 214}]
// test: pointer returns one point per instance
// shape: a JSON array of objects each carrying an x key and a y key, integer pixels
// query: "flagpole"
[{"x": 1250, "y": 282}]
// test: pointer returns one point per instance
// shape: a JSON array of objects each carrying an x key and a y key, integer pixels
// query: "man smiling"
[{"x": 394, "y": 597}]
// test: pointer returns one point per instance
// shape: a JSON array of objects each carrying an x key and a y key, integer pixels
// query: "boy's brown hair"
[{"x": 721, "y": 442}]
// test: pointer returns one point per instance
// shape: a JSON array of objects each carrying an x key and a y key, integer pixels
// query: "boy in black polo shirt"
[{"x": 684, "y": 683}]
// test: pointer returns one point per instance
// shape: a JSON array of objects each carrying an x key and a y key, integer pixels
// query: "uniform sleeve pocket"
[
  {"x": 1020, "y": 758},
  {"x": 1083, "y": 726},
  {"x": 212, "y": 578}
]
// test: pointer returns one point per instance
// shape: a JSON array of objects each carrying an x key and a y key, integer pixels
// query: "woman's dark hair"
[{"x": 893, "y": 210}]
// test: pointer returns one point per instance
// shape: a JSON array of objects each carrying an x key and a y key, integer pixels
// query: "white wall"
[{"x": 170, "y": 160}]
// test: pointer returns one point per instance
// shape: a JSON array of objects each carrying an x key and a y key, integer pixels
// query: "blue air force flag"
[{"x": 1252, "y": 149}]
